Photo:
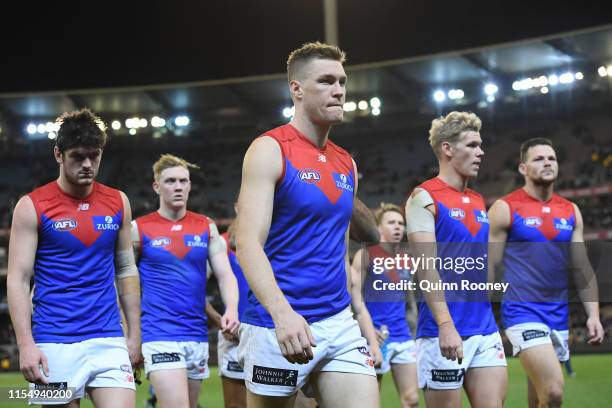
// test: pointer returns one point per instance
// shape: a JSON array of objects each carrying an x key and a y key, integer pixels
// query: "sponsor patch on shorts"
[
  {"x": 234, "y": 366},
  {"x": 274, "y": 376},
  {"x": 533, "y": 334},
  {"x": 165, "y": 358},
  {"x": 52, "y": 386},
  {"x": 454, "y": 375}
]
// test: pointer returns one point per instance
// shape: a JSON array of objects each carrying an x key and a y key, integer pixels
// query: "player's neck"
[
  {"x": 539, "y": 192},
  {"x": 452, "y": 178},
  {"x": 317, "y": 135},
  {"x": 171, "y": 213},
  {"x": 74, "y": 190}
]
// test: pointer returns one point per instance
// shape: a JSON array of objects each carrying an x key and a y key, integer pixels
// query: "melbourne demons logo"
[
  {"x": 309, "y": 176},
  {"x": 160, "y": 242},
  {"x": 532, "y": 222},
  {"x": 65, "y": 224},
  {"x": 456, "y": 213}
]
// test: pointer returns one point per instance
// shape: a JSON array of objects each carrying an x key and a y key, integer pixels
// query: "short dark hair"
[
  {"x": 536, "y": 141},
  {"x": 310, "y": 51},
  {"x": 80, "y": 128}
]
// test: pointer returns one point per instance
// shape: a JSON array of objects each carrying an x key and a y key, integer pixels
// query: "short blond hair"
[
  {"x": 385, "y": 208},
  {"x": 449, "y": 128},
  {"x": 167, "y": 161},
  {"x": 310, "y": 51}
]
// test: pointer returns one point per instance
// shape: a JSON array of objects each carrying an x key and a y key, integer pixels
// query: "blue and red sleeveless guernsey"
[
  {"x": 387, "y": 307},
  {"x": 243, "y": 286},
  {"x": 313, "y": 203},
  {"x": 172, "y": 267},
  {"x": 536, "y": 260},
  {"x": 74, "y": 270},
  {"x": 462, "y": 233}
]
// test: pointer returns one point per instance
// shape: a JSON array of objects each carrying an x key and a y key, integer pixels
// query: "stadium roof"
[{"x": 407, "y": 82}]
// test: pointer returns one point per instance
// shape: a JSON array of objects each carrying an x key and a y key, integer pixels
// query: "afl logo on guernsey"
[
  {"x": 456, "y": 213},
  {"x": 309, "y": 176},
  {"x": 160, "y": 242},
  {"x": 105, "y": 223},
  {"x": 195, "y": 241},
  {"x": 532, "y": 222},
  {"x": 63, "y": 225}
]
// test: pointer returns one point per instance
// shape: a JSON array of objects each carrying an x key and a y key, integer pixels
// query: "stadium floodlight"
[
  {"x": 143, "y": 123},
  {"x": 439, "y": 96},
  {"x": 579, "y": 76},
  {"x": 116, "y": 125},
  {"x": 490, "y": 89},
  {"x": 375, "y": 111},
  {"x": 516, "y": 85},
  {"x": 375, "y": 102},
  {"x": 609, "y": 70},
  {"x": 456, "y": 94},
  {"x": 527, "y": 83},
  {"x": 541, "y": 81},
  {"x": 602, "y": 71},
  {"x": 181, "y": 120},
  {"x": 566, "y": 78},
  {"x": 362, "y": 105},
  {"x": 350, "y": 106},
  {"x": 288, "y": 111},
  {"x": 52, "y": 135},
  {"x": 41, "y": 128},
  {"x": 491, "y": 98},
  {"x": 158, "y": 122},
  {"x": 31, "y": 129},
  {"x": 553, "y": 80},
  {"x": 544, "y": 89},
  {"x": 132, "y": 131}
]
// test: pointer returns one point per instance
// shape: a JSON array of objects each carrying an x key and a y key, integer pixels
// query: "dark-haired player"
[{"x": 73, "y": 236}]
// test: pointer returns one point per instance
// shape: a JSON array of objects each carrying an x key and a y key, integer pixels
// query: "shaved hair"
[
  {"x": 299, "y": 58},
  {"x": 536, "y": 141}
]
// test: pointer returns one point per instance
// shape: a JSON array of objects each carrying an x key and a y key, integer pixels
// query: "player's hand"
[
  {"x": 596, "y": 331},
  {"x": 451, "y": 345},
  {"x": 379, "y": 336},
  {"x": 294, "y": 337},
  {"x": 31, "y": 359},
  {"x": 133, "y": 346},
  {"x": 231, "y": 337},
  {"x": 229, "y": 322},
  {"x": 376, "y": 355}
]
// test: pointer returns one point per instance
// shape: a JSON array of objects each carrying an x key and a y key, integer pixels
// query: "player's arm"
[
  {"x": 586, "y": 281},
  {"x": 135, "y": 236},
  {"x": 362, "y": 315},
  {"x": 420, "y": 228},
  {"x": 262, "y": 168},
  {"x": 499, "y": 225},
  {"x": 22, "y": 252},
  {"x": 213, "y": 315},
  {"x": 128, "y": 282},
  {"x": 363, "y": 225},
  {"x": 231, "y": 236},
  {"x": 228, "y": 286}
]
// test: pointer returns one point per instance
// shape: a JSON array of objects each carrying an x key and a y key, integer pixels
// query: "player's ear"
[
  {"x": 156, "y": 187},
  {"x": 447, "y": 149},
  {"x": 58, "y": 155},
  {"x": 296, "y": 89},
  {"x": 522, "y": 168}
]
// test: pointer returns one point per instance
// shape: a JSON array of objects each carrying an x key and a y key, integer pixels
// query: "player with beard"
[
  {"x": 73, "y": 236},
  {"x": 538, "y": 236}
]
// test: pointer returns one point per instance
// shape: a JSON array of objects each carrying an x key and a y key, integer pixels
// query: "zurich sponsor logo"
[
  {"x": 65, "y": 224},
  {"x": 481, "y": 216},
  {"x": 309, "y": 176},
  {"x": 532, "y": 222},
  {"x": 343, "y": 183},
  {"x": 563, "y": 225},
  {"x": 195, "y": 241},
  {"x": 456, "y": 213},
  {"x": 160, "y": 242},
  {"x": 105, "y": 223}
]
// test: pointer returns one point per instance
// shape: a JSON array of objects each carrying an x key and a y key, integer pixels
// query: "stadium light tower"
[{"x": 330, "y": 14}]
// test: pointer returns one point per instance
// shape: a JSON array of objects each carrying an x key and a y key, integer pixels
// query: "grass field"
[{"x": 592, "y": 387}]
